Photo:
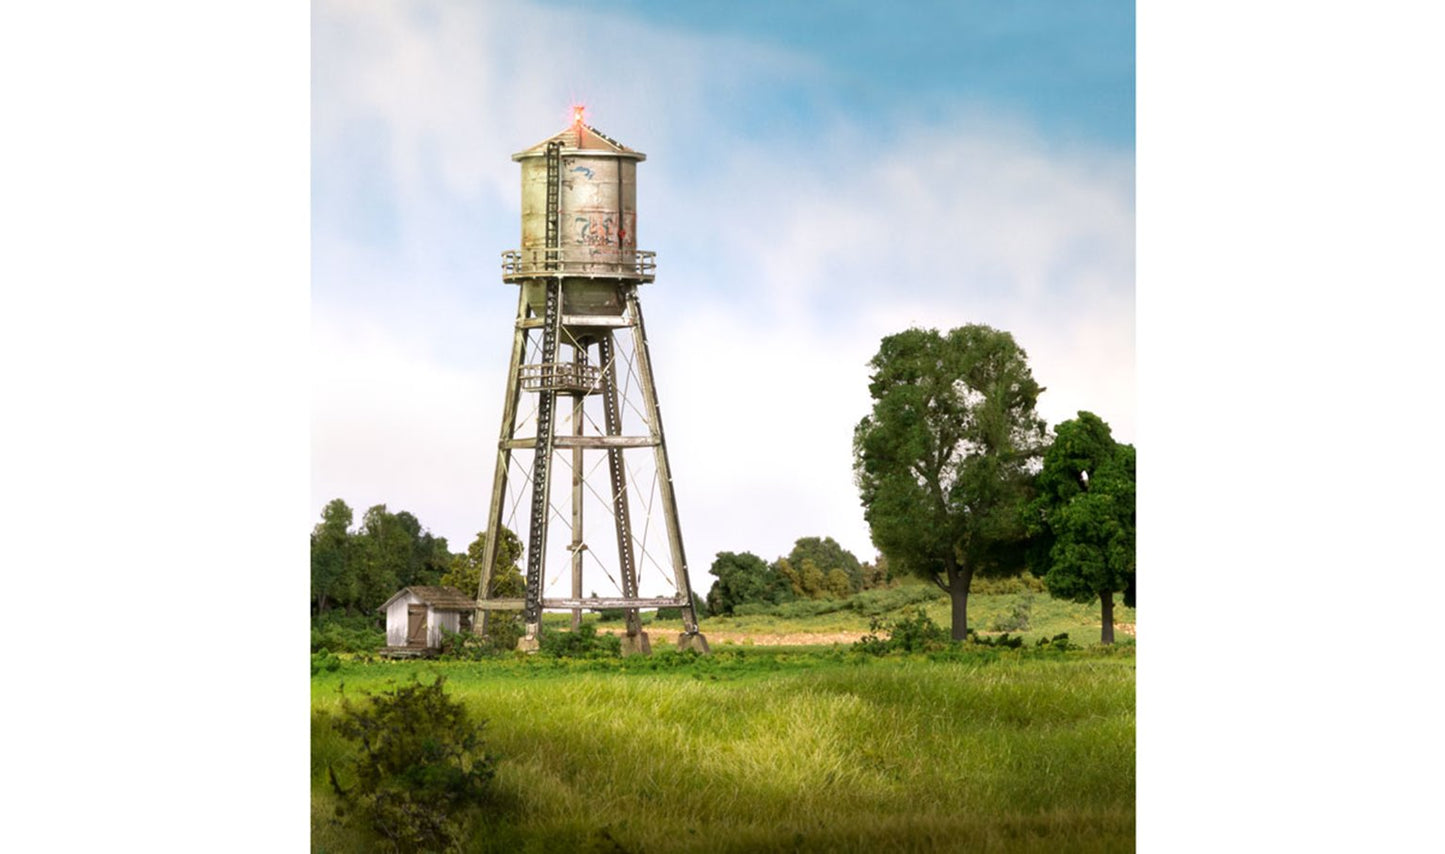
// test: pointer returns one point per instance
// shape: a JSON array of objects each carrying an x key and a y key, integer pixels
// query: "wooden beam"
[
  {"x": 593, "y": 602},
  {"x": 585, "y": 442},
  {"x": 603, "y": 321}
]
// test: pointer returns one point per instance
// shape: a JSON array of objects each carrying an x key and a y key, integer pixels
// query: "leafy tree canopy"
[
  {"x": 943, "y": 462},
  {"x": 1083, "y": 516},
  {"x": 361, "y": 569},
  {"x": 744, "y": 578},
  {"x": 465, "y": 573},
  {"x": 827, "y": 555},
  {"x": 333, "y": 576}
]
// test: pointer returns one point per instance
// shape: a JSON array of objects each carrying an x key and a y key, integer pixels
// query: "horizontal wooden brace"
[
  {"x": 591, "y": 602},
  {"x": 585, "y": 442},
  {"x": 603, "y": 321}
]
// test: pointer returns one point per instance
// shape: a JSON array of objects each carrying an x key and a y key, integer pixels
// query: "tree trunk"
[
  {"x": 1107, "y": 635},
  {"x": 958, "y": 581}
]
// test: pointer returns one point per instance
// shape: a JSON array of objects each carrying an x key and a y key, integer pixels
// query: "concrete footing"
[
  {"x": 637, "y": 644},
  {"x": 526, "y": 644},
  {"x": 695, "y": 642}
]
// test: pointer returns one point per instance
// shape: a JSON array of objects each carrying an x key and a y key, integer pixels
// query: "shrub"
[
  {"x": 608, "y": 615},
  {"x": 339, "y": 633},
  {"x": 913, "y": 631},
  {"x": 1003, "y": 641},
  {"x": 1018, "y": 618},
  {"x": 323, "y": 660},
  {"x": 1057, "y": 643},
  {"x": 881, "y": 601},
  {"x": 503, "y": 630},
  {"x": 421, "y": 773},
  {"x": 796, "y": 609},
  {"x": 699, "y": 608},
  {"x": 1025, "y": 583},
  {"x": 582, "y": 643},
  {"x": 870, "y": 603}
]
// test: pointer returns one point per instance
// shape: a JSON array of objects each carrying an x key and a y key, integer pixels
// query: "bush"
[
  {"x": 1003, "y": 641},
  {"x": 1018, "y": 618},
  {"x": 796, "y": 609},
  {"x": 913, "y": 631},
  {"x": 421, "y": 773},
  {"x": 1025, "y": 583},
  {"x": 881, "y": 601},
  {"x": 339, "y": 633},
  {"x": 699, "y": 608},
  {"x": 323, "y": 660},
  {"x": 503, "y": 630},
  {"x": 1057, "y": 643},
  {"x": 582, "y": 643}
]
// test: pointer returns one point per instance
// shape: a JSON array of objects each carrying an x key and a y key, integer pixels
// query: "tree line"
[
  {"x": 816, "y": 568},
  {"x": 356, "y": 569}
]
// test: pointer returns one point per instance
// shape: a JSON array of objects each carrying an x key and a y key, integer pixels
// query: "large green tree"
[
  {"x": 429, "y": 558},
  {"x": 944, "y": 461},
  {"x": 393, "y": 551},
  {"x": 465, "y": 573},
  {"x": 1083, "y": 517},
  {"x": 333, "y": 573},
  {"x": 827, "y": 555},
  {"x": 744, "y": 578}
]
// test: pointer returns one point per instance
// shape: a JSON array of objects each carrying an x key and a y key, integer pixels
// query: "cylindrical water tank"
[{"x": 596, "y": 221}]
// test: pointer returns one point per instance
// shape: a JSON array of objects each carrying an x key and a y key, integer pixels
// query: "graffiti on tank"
[{"x": 598, "y": 229}]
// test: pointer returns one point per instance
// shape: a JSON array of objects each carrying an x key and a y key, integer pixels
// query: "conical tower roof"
[{"x": 580, "y": 136}]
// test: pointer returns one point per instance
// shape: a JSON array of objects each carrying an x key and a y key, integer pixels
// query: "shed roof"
[{"x": 440, "y": 598}]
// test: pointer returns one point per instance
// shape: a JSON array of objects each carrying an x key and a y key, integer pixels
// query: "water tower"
[{"x": 581, "y": 410}]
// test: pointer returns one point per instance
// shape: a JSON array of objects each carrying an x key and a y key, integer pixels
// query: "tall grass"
[
  {"x": 787, "y": 752},
  {"x": 1047, "y": 616}
]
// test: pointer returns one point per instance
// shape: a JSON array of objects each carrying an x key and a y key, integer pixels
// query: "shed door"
[{"x": 416, "y": 625}]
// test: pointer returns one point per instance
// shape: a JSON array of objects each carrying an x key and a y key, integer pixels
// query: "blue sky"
[{"x": 818, "y": 176}]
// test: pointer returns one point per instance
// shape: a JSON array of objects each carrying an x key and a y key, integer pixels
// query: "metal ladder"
[{"x": 546, "y": 401}]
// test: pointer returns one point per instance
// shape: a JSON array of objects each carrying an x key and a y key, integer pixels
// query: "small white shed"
[{"x": 415, "y": 616}]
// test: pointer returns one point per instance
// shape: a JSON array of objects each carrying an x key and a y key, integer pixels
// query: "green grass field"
[
  {"x": 783, "y": 749},
  {"x": 989, "y": 614}
]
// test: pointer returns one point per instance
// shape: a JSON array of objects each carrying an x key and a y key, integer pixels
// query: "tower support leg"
[
  {"x": 579, "y": 361},
  {"x": 504, "y": 461},
  {"x": 635, "y": 641},
  {"x": 691, "y": 638},
  {"x": 541, "y": 474}
]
